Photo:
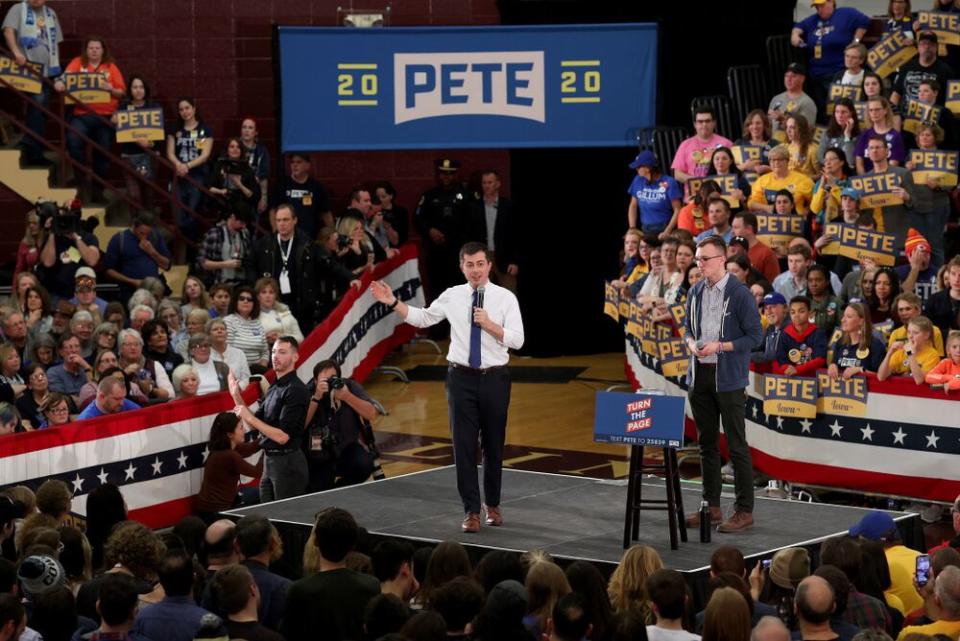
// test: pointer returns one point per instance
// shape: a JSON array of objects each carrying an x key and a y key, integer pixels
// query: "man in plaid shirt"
[
  {"x": 864, "y": 611},
  {"x": 226, "y": 254}
]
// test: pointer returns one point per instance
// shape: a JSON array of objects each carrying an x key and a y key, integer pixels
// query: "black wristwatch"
[{"x": 396, "y": 301}]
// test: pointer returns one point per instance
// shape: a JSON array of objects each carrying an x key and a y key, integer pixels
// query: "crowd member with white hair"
[
  {"x": 186, "y": 381},
  {"x": 225, "y": 353},
  {"x": 148, "y": 375},
  {"x": 140, "y": 314},
  {"x": 81, "y": 326},
  {"x": 212, "y": 374}
]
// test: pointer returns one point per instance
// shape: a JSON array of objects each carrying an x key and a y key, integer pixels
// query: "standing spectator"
[
  {"x": 440, "y": 217},
  {"x": 227, "y": 248},
  {"x": 28, "y": 253},
  {"x": 834, "y": 181},
  {"x": 136, "y": 253},
  {"x": 30, "y": 401},
  {"x": 764, "y": 193},
  {"x": 815, "y": 604},
  {"x": 854, "y": 57},
  {"x": 932, "y": 208},
  {"x": 792, "y": 100},
  {"x": 914, "y": 357},
  {"x": 799, "y": 141},
  {"x": 668, "y": 596},
  {"x": 221, "y": 351},
  {"x": 395, "y": 217},
  {"x": 177, "y": 617},
  {"x": 225, "y": 464},
  {"x": 692, "y": 159},
  {"x": 722, "y": 164},
  {"x": 169, "y": 312},
  {"x": 33, "y": 33},
  {"x": 693, "y": 216},
  {"x": 657, "y": 197},
  {"x": 947, "y": 373},
  {"x": 102, "y": 362},
  {"x": 895, "y": 219},
  {"x": 761, "y": 256},
  {"x": 919, "y": 275},
  {"x": 233, "y": 178},
  {"x": 775, "y": 312},
  {"x": 92, "y": 120},
  {"x": 825, "y": 35},
  {"x": 803, "y": 348},
  {"x": 220, "y": 295},
  {"x": 238, "y": 597},
  {"x": 189, "y": 146},
  {"x": 825, "y": 308},
  {"x": 334, "y": 599},
  {"x": 926, "y": 65},
  {"x": 245, "y": 330},
  {"x": 943, "y": 607},
  {"x": 63, "y": 255},
  {"x": 757, "y": 132},
  {"x": 886, "y": 288},
  {"x": 721, "y": 318},
  {"x": 193, "y": 296},
  {"x": 727, "y": 616},
  {"x": 186, "y": 381},
  {"x": 139, "y": 154},
  {"x": 842, "y": 132},
  {"x": 628, "y": 583},
  {"x": 258, "y": 157},
  {"x": 260, "y": 545},
  {"x": 494, "y": 223},
  {"x": 37, "y": 313},
  {"x": 392, "y": 562},
  {"x": 943, "y": 307},
  {"x": 718, "y": 213},
  {"x": 908, "y": 306},
  {"x": 634, "y": 266},
  {"x": 899, "y": 19},
  {"x": 280, "y": 421},
  {"x": 882, "y": 125},
  {"x": 306, "y": 196},
  {"x": 927, "y": 95}
]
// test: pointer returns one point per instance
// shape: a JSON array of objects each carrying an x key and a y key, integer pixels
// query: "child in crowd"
[
  {"x": 946, "y": 375},
  {"x": 803, "y": 348}
]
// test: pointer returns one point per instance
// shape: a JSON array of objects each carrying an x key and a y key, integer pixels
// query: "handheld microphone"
[{"x": 479, "y": 301}]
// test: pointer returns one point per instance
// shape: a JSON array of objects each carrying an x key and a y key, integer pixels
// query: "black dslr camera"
[
  {"x": 66, "y": 220},
  {"x": 335, "y": 383}
]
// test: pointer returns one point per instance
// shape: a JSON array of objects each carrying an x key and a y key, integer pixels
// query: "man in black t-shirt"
[
  {"x": 924, "y": 66},
  {"x": 307, "y": 195},
  {"x": 62, "y": 255},
  {"x": 238, "y": 598}
]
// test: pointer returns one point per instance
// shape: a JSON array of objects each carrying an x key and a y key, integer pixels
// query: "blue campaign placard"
[
  {"x": 466, "y": 87},
  {"x": 639, "y": 419}
]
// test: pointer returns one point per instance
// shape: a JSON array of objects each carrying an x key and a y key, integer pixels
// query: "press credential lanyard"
[{"x": 284, "y": 257}]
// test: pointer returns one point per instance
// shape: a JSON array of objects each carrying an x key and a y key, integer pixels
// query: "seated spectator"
[
  {"x": 141, "y": 313},
  {"x": 85, "y": 294},
  {"x": 757, "y": 132},
  {"x": 447, "y": 561},
  {"x": 10, "y": 369},
  {"x": 74, "y": 373},
  {"x": 762, "y": 258},
  {"x": 38, "y": 314},
  {"x": 932, "y": 208},
  {"x": 854, "y": 58},
  {"x": 220, "y": 296},
  {"x": 177, "y": 617},
  {"x": 946, "y": 374},
  {"x": 226, "y": 252},
  {"x": 654, "y": 198},
  {"x": 546, "y": 584},
  {"x": 693, "y": 215},
  {"x": 627, "y": 588},
  {"x": 222, "y": 352},
  {"x": 501, "y": 616},
  {"x": 358, "y": 255},
  {"x": 189, "y": 146},
  {"x": 842, "y": 133},
  {"x": 791, "y": 101},
  {"x": 793, "y": 282},
  {"x": 803, "y": 348},
  {"x": 825, "y": 307},
  {"x": 15, "y": 332},
  {"x": 54, "y": 410},
  {"x": 81, "y": 326},
  {"x": 459, "y": 601},
  {"x": 396, "y": 218},
  {"x": 135, "y": 253},
  {"x": 722, "y": 164},
  {"x": 384, "y": 617},
  {"x": 245, "y": 331},
  {"x": 104, "y": 339},
  {"x": 668, "y": 598},
  {"x": 928, "y": 95},
  {"x": 692, "y": 159},
  {"x": 775, "y": 312},
  {"x": 260, "y": 545},
  {"x": 157, "y": 290},
  {"x": 237, "y": 595},
  {"x": 765, "y": 189},
  {"x": 37, "y": 387},
  {"x": 926, "y": 64},
  {"x": 212, "y": 373},
  {"x": 111, "y": 399},
  {"x": 883, "y": 127},
  {"x": 93, "y": 120},
  {"x": 850, "y": 215},
  {"x": 886, "y": 288},
  {"x": 943, "y": 307},
  {"x": 738, "y": 264},
  {"x": 727, "y": 616},
  {"x": 150, "y": 375},
  {"x": 634, "y": 265},
  {"x": 863, "y": 611},
  {"x": 116, "y": 605},
  {"x": 663, "y": 289},
  {"x": 193, "y": 296},
  {"x": 43, "y": 351},
  {"x": 718, "y": 213},
  {"x": 943, "y": 607},
  {"x": 233, "y": 178},
  {"x": 799, "y": 141},
  {"x": 334, "y": 599},
  {"x": 10, "y": 420},
  {"x": 196, "y": 324},
  {"x": 103, "y": 362},
  {"x": 841, "y": 590},
  {"x": 879, "y": 526},
  {"x": 858, "y": 350},
  {"x": 392, "y": 561},
  {"x": 186, "y": 381},
  {"x": 28, "y": 253},
  {"x": 907, "y": 306},
  {"x": 115, "y": 313},
  {"x": 157, "y": 346},
  {"x": 914, "y": 357},
  {"x": 169, "y": 312},
  {"x": 225, "y": 464},
  {"x": 273, "y": 311},
  {"x": 815, "y": 605}
]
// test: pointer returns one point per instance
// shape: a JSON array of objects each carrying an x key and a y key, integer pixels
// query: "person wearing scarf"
[{"x": 32, "y": 33}]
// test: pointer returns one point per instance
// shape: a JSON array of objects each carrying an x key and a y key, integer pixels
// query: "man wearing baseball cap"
[
  {"x": 878, "y": 525},
  {"x": 85, "y": 293},
  {"x": 775, "y": 313},
  {"x": 792, "y": 100},
  {"x": 655, "y": 195},
  {"x": 923, "y": 66}
]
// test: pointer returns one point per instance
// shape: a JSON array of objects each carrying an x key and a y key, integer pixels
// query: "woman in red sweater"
[{"x": 225, "y": 464}]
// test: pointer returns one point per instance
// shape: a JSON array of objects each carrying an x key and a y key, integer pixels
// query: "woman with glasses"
[
  {"x": 169, "y": 312},
  {"x": 105, "y": 339},
  {"x": 37, "y": 387},
  {"x": 55, "y": 410},
  {"x": 882, "y": 123},
  {"x": 212, "y": 374},
  {"x": 245, "y": 331}
]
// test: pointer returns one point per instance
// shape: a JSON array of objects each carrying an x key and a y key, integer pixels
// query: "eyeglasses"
[
  {"x": 202, "y": 346},
  {"x": 57, "y": 410},
  {"x": 244, "y": 299},
  {"x": 703, "y": 259}
]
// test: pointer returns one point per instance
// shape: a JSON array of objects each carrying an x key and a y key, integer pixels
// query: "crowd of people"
[{"x": 234, "y": 580}]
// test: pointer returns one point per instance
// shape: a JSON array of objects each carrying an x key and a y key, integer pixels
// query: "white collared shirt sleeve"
[{"x": 163, "y": 381}]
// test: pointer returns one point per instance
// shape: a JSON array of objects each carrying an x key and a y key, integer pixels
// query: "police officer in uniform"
[{"x": 441, "y": 217}]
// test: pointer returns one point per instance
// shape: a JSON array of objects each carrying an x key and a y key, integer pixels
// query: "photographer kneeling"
[{"x": 335, "y": 425}]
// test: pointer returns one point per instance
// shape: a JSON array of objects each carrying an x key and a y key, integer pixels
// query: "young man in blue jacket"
[{"x": 722, "y": 329}]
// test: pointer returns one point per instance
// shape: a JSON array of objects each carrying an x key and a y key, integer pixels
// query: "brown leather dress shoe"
[
  {"x": 693, "y": 520},
  {"x": 471, "y": 523},
  {"x": 739, "y": 522},
  {"x": 494, "y": 516}
]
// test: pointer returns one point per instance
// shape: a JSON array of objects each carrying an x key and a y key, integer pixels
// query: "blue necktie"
[{"x": 474, "y": 334}]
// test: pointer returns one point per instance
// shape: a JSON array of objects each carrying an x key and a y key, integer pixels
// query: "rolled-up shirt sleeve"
[
  {"x": 512, "y": 324},
  {"x": 429, "y": 316}
]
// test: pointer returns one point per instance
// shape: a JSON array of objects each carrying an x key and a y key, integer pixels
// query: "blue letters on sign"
[{"x": 461, "y": 87}]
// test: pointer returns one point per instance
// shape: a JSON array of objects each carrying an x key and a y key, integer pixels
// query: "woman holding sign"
[
  {"x": 722, "y": 165},
  {"x": 137, "y": 154},
  {"x": 91, "y": 119},
  {"x": 931, "y": 207}
]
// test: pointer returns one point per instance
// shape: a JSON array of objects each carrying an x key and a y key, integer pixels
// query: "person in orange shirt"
[
  {"x": 946, "y": 374},
  {"x": 92, "y": 119},
  {"x": 693, "y": 215}
]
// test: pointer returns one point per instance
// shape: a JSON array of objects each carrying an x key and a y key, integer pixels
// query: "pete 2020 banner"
[{"x": 467, "y": 87}]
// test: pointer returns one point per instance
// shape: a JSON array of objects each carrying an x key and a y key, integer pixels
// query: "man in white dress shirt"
[{"x": 484, "y": 324}]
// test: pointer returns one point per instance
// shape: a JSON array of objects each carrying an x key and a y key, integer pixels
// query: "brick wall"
[{"x": 221, "y": 52}]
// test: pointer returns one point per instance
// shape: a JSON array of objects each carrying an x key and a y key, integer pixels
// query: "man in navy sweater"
[{"x": 722, "y": 328}]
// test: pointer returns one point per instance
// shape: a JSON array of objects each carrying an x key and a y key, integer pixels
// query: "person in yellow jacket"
[{"x": 781, "y": 177}]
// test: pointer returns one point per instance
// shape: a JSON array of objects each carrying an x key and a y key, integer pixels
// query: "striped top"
[{"x": 248, "y": 336}]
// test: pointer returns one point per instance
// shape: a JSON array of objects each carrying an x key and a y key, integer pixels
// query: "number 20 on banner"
[
  {"x": 357, "y": 84},
  {"x": 580, "y": 81}
]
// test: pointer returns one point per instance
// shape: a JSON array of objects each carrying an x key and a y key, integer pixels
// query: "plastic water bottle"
[{"x": 704, "y": 522}]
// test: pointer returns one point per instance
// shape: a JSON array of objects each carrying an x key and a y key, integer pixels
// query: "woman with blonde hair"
[
  {"x": 193, "y": 296},
  {"x": 28, "y": 253},
  {"x": 727, "y": 617},
  {"x": 546, "y": 584},
  {"x": 881, "y": 119},
  {"x": 358, "y": 254},
  {"x": 627, "y": 587}
]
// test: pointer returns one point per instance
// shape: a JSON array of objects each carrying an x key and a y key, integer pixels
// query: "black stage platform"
[{"x": 570, "y": 517}]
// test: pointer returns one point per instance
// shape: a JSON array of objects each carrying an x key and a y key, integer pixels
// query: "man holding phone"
[{"x": 943, "y": 605}]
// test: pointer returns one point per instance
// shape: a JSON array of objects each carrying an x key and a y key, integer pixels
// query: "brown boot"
[
  {"x": 693, "y": 520},
  {"x": 739, "y": 522}
]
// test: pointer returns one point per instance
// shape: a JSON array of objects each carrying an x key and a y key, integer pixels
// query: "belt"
[
  {"x": 479, "y": 371},
  {"x": 281, "y": 451}
]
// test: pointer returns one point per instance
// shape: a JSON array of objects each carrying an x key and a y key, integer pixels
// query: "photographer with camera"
[
  {"x": 337, "y": 421},
  {"x": 233, "y": 177},
  {"x": 69, "y": 245}
]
